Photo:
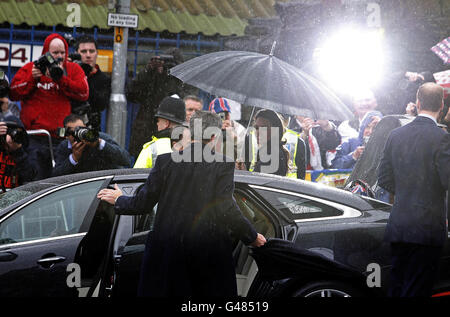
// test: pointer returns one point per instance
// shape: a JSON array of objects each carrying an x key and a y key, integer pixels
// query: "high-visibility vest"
[
  {"x": 151, "y": 150},
  {"x": 291, "y": 145},
  {"x": 253, "y": 150}
]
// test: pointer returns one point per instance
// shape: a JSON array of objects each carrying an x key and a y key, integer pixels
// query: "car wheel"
[{"x": 327, "y": 289}]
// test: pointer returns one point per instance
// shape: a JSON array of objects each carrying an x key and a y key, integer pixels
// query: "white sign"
[
  {"x": 20, "y": 54},
  {"x": 123, "y": 20}
]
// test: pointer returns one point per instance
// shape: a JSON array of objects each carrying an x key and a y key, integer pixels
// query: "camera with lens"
[
  {"x": 80, "y": 108},
  {"x": 16, "y": 132},
  {"x": 223, "y": 116},
  {"x": 76, "y": 58},
  {"x": 4, "y": 85},
  {"x": 167, "y": 61},
  {"x": 47, "y": 61},
  {"x": 80, "y": 134},
  {"x": 85, "y": 134}
]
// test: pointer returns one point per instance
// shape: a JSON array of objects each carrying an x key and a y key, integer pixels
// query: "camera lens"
[
  {"x": 18, "y": 136},
  {"x": 56, "y": 72},
  {"x": 89, "y": 135}
]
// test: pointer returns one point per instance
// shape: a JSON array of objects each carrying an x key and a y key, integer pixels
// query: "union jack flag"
[
  {"x": 443, "y": 79},
  {"x": 442, "y": 49}
]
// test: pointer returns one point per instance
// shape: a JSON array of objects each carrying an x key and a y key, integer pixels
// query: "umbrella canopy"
[
  {"x": 365, "y": 168},
  {"x": 262, "y": 81}
]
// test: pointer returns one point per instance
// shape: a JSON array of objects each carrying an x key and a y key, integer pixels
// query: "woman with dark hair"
[{"x": 271, "y": 156}]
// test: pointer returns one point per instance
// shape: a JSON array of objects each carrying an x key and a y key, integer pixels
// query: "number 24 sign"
[{"x": 20, "y": 54}]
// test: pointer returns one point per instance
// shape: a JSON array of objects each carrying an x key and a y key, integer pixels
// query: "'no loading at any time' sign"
[{"x": 123, "y": 20}]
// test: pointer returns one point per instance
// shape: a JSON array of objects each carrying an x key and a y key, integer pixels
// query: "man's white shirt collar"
[{"x": 427, "y": 116}]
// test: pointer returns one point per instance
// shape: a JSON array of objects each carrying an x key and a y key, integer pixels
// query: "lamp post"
[{"x": 117, "y": 114}]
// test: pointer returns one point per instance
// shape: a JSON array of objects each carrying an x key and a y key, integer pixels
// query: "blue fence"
[{"x": 33, "y": 36}]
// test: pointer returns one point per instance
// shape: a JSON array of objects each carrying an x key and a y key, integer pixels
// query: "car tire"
[{"x": 328, "y": 289}]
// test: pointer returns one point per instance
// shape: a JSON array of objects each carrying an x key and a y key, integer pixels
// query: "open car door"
[
  {"x": 43, "y": 238},
  {"x": 132, "y": 233}
]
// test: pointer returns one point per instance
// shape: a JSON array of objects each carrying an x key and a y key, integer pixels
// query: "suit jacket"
[
  {"x": 414, "y": 168},
  {"x": 189, "y": 251}
]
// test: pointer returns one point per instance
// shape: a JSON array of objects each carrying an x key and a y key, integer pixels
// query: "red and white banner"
[
  {"x": 442, "y": 49},
  {"x": 443, "y": 79}
]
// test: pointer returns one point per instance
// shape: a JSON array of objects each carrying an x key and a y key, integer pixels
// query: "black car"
[{"x": 58, "y": 239}]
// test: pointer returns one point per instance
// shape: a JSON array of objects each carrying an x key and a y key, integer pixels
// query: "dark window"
[
  {"x": 250, "y": 210},
  {"x": 57, "y": 214},
  {"x": 255, "y": 215},
  {"x": 296, "y": 207},
  {"x": 144, "y": 222}
]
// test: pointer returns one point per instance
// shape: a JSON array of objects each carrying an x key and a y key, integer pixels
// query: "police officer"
[
  {"x": 297, "y": 154},
  {"x": 170, "y": 114}
]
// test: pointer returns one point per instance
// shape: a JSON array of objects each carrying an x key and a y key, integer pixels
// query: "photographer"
[
  {"x": 15, "y": 167},
  {"x": 8, "y": 108},
  {"x": 45, "y": 88},
  {"x": 86, "y": 150},
  {"x": 148, "y": 89},
  {"x": 99, "y": 82}
]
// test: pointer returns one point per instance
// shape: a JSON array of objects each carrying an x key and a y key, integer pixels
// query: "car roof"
[
  {"x": 305, "y": 187},
  {"x": 243, "y": 177}
]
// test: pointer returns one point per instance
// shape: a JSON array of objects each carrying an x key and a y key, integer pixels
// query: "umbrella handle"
[
  {"x": 272, "y": 50},
  {"x": 241, "y": 155},
  {"x": 250, "y": 120}
]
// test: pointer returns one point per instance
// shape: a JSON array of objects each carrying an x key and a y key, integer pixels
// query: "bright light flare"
[{"x": 352, "y": 60}]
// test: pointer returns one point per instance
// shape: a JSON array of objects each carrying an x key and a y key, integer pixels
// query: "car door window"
[
  {"x": 298, "y": 207},
  {"x": 145, "y": 222},
  {"x": 56, "y": 214},
  {"x": 255, "y": 215}
]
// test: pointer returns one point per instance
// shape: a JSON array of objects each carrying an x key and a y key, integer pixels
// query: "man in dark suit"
[
  {"x": 414, "y": 168},
  {"x": 189, "y": 251}
]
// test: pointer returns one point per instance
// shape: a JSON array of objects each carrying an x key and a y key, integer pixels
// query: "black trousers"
[
  {"x": 39, "y": 153},
  {"x": 414, "y": 269}
]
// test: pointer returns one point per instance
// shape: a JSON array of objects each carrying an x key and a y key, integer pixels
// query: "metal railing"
[{"x": 42, "y": 131}]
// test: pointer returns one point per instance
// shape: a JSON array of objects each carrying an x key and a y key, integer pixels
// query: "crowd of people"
[
  {"x": 63, "y": 95},
  {"x": 70, "y": 94}
]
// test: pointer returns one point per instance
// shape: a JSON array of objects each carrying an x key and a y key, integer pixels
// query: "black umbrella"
[
  {"x": 262, "y": 81},
  {"x": 366, "y": 167}
]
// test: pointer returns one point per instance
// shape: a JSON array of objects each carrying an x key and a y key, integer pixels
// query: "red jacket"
[{"x": 45, "y": 103}]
